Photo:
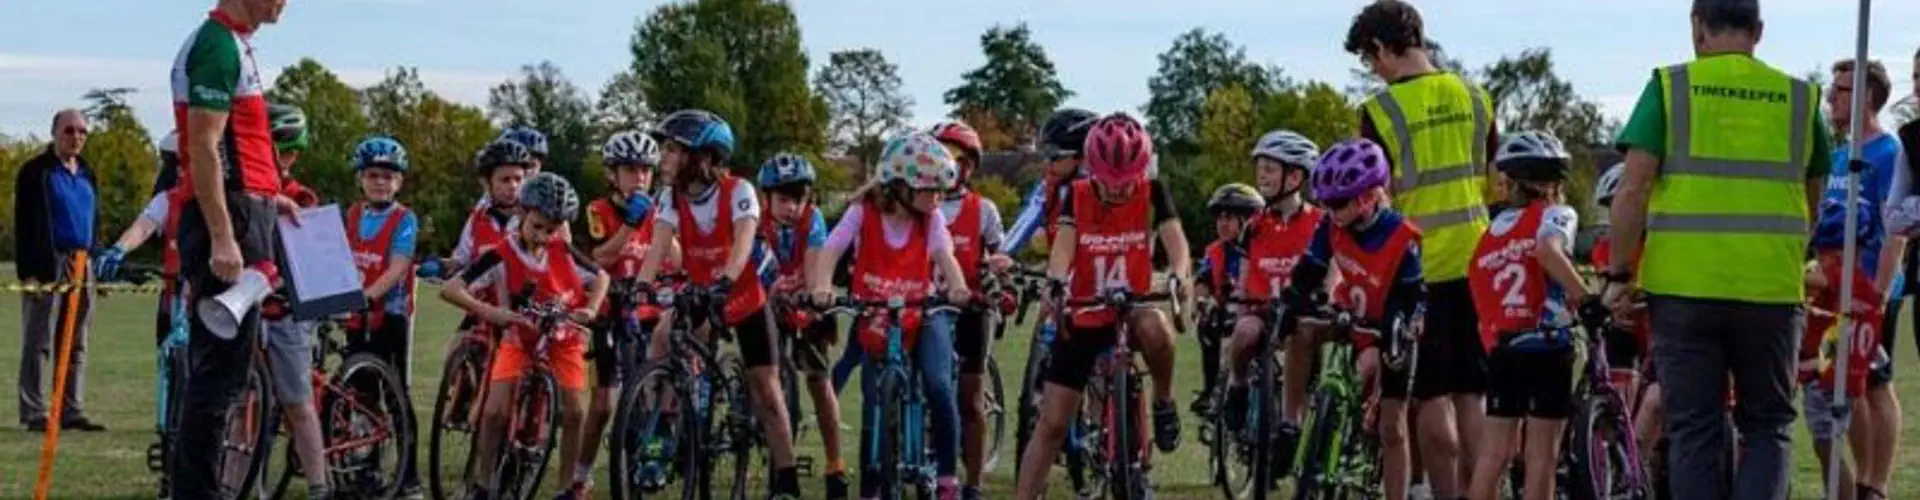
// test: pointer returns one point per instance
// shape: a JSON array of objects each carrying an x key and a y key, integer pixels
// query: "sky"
[{"x": 53, "y": 51}]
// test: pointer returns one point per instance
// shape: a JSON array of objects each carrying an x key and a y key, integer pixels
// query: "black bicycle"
[
  {"x": 664, "y": 422},
  {"x": 1245, "y": 456}
]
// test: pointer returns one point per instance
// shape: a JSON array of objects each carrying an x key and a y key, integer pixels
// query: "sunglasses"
[
  {"x": 1337, "y": 203},
  {"x": 1060, "y": 154},
  {"x": 74, "y": 131}
]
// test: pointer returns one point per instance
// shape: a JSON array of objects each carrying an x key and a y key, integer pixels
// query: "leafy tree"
[
  {"x": 1017, "y": 85},
  {"x": 622, "y": 106},
  {"x": 441, "y": 139},
  {"x": 123, "y": 159},
  {"x": 740, "y": 59},
  {"x": 14, "y": 151},
  {"x": 994, "y": 135},
  {"x": 864, "y": 96},
  {"x": 336, "y": 121},
  {"x": 103, "y": 103},
  {"x": 543, "y": 98},
  {"x": 1198, "y": 64},
  {"x": 1315, "y": 109},
  {"x": 1528, "y": 95},
  {"x": 1226, "y": 135},
  {"x": 1903, "y": 111}
]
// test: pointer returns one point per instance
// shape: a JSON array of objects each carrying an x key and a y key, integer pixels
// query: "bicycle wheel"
[
  {"x": 1362, "y": 473},
  {"x": 641, "y": 448},
  {"x": 367, "y": 428},
  {"x": 1027, "y": 410},
  {"x": 1318, "y": 460},
  {"x": 248, "y": 439},
  {"x": 886, "y": 438},
  {"x": 530, "y": 438},
  {"x": 734, "y": 452},
  {"x": 1227, "y": 461},
  {"x": 1123, "y": 441},
  {"x": 996, "y": 396},
  {"x": 159, "y": 455},
  {"x": 456, "y": 407},
  {"x": 1601, "y": 468}
]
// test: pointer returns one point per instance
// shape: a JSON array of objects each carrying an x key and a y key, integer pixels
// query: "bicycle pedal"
[
  {"x": 156, "y": 458},
  {"x": 803, "y": 466}
]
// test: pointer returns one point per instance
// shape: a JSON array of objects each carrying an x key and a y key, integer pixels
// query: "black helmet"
[
  {"x": 1066, "y": 130},
  {"x": 550, "y": 195},
  {"x": 499, "y": 153},
  {"x": 1236, "y": 198}
]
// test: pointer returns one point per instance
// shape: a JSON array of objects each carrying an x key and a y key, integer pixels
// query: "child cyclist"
[
  {"x": 1275, "y": 239},
  {"x": 899, "y": 239},
  {"x": 1820, "y": 348},
  {"x": 796, "y": 231},
  {"x": 1631, "y": 339},
  {"x": 1116, "y": 204},
  {"x": 535, "y": 259},
  {"x": 974, "y": 223},
  {"x": 715, "y": 218},
  {"x": 383, "y": 233},
  {"x": 290, "y": 341},
  {"x": 1526, "y": 292},
  {"x": 500, "y": 167},
  {"x": 1377, "y": 253},
  {"x": 1218, "y": 275},
  {"x": 619, "y": 232}
]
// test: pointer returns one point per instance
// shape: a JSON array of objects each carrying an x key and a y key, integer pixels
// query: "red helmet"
[
  {"x": 957, "y": 133},
  {"x": 1118, "y": 150}
]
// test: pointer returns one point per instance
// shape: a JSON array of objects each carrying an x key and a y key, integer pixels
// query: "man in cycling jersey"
[
  {"x": 1109, "y": 219},
  {"x": 715, "y": 218},
  {"x": 619, "y": 232},
  {"x": 1377, "y": 254}
]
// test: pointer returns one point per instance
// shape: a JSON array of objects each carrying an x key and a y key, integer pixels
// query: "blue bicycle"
[{"x": 898, "y": 442}]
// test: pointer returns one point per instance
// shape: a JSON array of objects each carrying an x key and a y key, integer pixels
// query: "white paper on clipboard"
[{"x": 319, "y": 264}]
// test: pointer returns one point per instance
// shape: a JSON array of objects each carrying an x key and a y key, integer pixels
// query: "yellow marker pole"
[{"x": 78, "y": 274}]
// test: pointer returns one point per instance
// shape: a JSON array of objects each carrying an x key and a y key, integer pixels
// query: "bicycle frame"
[
  {"x": 1124, "y": 406},
  {"x": 323, "y": 385},
  {"x": 1598, "y": 386},
  {"x": 899, "y": 368}
]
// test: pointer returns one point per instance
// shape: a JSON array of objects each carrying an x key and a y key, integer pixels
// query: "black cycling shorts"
[
  {"x": 603, "y": 350},
  {"x": 972, "y": 341},
  {"x": 755, "y": 336},
  {"x": 1537, "y": 383},
  {"x": 1452, "y": 360},
  {"x": 1075, "y": 352}
]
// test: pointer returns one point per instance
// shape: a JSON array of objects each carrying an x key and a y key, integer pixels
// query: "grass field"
[{"x": 121, "y": 386}]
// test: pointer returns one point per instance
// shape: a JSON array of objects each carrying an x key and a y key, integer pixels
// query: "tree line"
[{"x": 743, "y": 59}]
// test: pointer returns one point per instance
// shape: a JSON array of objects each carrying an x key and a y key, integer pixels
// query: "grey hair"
[{"x": 54, "y": 128}]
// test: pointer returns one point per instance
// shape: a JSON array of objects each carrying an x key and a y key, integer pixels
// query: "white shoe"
[{"x": 1420, "y": 492}]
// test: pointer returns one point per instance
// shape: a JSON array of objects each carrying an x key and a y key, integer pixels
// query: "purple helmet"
[{"x": 1349, "y": 169}]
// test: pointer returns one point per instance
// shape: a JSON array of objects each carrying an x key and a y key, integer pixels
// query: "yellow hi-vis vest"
[
  {"x": 1728, "y": 215},
  {"x": 1435, "y": 128}
]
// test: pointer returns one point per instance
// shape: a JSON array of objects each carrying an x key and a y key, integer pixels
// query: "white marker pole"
[{"x": 1848, "y": 251}]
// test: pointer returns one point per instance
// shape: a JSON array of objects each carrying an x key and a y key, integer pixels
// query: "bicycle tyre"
[
  {"x": 1266, "y": 410},
  {"x": 524, "y": 457},
  {"x": 1318, "y": 458},
  {"x": 1597, "y": 463},
  {"x": 1224, "y": 453},
  {"x": 1027, "y": 412},
  {"x": 740, "y": 427},
  {"x": 463, "y": 379},
  {"x": 1120, "y": 477},
  {"x": 259, "y": 419},
  {"x": 886, "y": 439},
  {"x": 391, "y": 404},
  {"x": 996, "y": 395},
  {"x": 637, "y": 421},
  {"x": 169, "y": 427}
]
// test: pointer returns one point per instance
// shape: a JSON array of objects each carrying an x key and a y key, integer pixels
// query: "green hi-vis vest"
[
  {"x": 1728, "y": 215},
  {"x": 1435, "y": 129}
]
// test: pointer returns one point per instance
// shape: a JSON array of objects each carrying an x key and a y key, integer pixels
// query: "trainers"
[
  {"x": 578, "y": 491},
  {"x": 837, "y": 486},
  {"x": 1166, "y": 425},
  {"x": 972, "y": 493},
  {"x": 1202, "y": 405}
]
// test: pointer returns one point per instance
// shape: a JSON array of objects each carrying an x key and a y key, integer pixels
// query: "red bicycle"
[{"x": 365, "y": 420}]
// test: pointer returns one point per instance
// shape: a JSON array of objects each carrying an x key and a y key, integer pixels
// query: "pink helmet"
[{"x": 1118, "y": 150}]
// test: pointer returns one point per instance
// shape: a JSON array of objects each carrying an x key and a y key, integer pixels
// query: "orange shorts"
[{"x": 566, "y": 357}]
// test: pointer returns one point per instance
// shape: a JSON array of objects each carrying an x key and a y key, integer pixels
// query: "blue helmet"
[
  {"x": 785, "y": 169},
  {"x": 535, "y": 141},
  {"x": 1831, "y": 231},
  {"x": 380, "y": 151},
  {"x": 696, "y": 129}
]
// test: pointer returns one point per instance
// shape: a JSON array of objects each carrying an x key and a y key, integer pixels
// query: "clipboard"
[{"x": 318, "y": 264}]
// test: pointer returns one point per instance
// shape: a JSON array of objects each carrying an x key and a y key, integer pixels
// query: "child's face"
[
  {"x": 536, "y": 230},
  {"x": 1227, "y": 226},
  {"x": 1354, "y": 210},
  {"x": 786, "y": 209},
  {"x": 503, "y": 185},
  {"x": 631, "y": 179},
  {"x": 379, "y": 184},
  {"x": 285, "y": 159},
  {"x": 674, "y": 158},
  {"x": 1271, "y": 176},
  {"x": 926, "y": 200}
]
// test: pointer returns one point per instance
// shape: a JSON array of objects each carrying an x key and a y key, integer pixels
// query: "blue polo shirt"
[
  {"x": 1883, "y": 153},
  {"x": 404, "y": 238},
  {"x": 71, "y": 207}
]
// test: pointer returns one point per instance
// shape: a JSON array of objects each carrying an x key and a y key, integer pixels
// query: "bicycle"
[
  {"x": 363, "y": 412},
  {"x": 1246, "y": 464},
  {"x": 664, "y": 419},
  {"x": 901, "y": 409},
  {"x": 1342, "y": 457},
  {"x": 533, "y": 420},
  {"x": 1073, "y": 453},
  {"x": 170, "y": 371},
  {"x": 456, "y": 410},
  {"x": 1602, "y": 455},
  {"x": 1000, "y": 295},
  {"x": 1119, "y": 452}
]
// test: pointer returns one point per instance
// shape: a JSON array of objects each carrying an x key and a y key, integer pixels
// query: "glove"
[
  {"x": 106, "y": 265},
  {"x": 723, "y": 287},
  {"x": 639, "y": 206},
  {"x": 1594, "y": 314},
  {"x": 429, "y": 268}
]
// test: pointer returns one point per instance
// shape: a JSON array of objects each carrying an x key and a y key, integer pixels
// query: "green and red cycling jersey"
[{"x": 215, "y": 70}]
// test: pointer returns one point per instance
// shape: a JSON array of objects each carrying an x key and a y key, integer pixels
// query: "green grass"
[{"x": 120, "y": 394}]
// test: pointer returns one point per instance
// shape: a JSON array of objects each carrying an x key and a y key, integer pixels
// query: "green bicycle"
[{"x": 1341, "y": 459}]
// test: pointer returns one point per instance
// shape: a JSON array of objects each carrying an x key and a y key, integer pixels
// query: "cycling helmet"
[
  {"x": 1831, "y": 230},
  {"x": 1118, "y": 150},
  {"x": 288, "y": 126},
  {"x": 696, "y": 129},
  {"x": 1533, "y": 156},
  {"x": 1608, "y": 184},
  {"x": 551, "y": 196},
  {"x": 1348, "y": 169},
  {"x": 957, "y": 133},
  {"x": 1236, "y": 198},
  {"x": 501, "y": 152},
  {"x": 380, "y": 151},
  {"x": 630, "y": 148},
  {"x": 919, "y": 160},
  {"x": 1287, "y": 147},
  {"x": 170, "y": 145},
  {"x": 1067, "y": 129},
  {"x": 785, "y": 169},
  {"x": 535, "y": 141}
]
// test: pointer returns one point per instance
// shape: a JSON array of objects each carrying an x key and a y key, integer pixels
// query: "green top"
[{"x": 1646, "y": 130}]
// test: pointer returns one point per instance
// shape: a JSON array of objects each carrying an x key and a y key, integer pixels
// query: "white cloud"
[{"x": 39, "y": 84}]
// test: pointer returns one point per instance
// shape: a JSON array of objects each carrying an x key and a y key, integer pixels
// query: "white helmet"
[
  {"x": 1608, "y": 184},
  {"x": 1289, "y": 148},
  {"x": 918, "y": 160},
  {"x": 170, "y": 144},
  {"x": 631, "y": 148},
  {"x": 1531, "y": 145}
]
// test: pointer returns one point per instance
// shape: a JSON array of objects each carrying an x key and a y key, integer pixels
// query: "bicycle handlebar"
[{"x": 851, "y": 306}]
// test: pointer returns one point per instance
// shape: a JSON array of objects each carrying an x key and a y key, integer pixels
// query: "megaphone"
[{"x": 223, "y": 313}]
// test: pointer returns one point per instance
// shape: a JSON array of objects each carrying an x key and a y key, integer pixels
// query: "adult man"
[
  {"x": 230, "y": 172},
  {"x": 1875, "y": 426},
  {"x": 1740, "y": 161},
  {"x": 54, "y": 211},
  {"x": 1436, "y": 128}
]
